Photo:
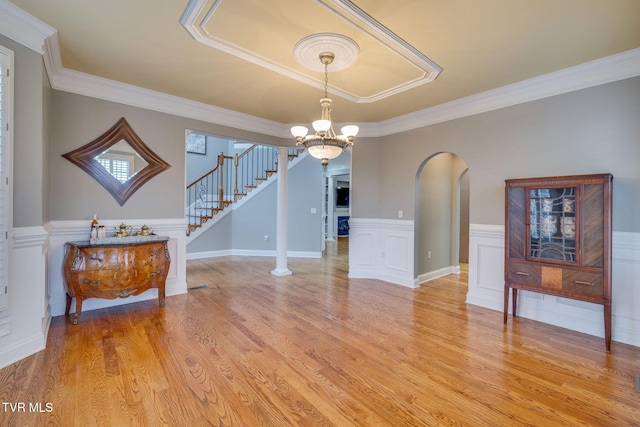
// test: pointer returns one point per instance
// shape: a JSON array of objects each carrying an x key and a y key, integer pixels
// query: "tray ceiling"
[{"x": 239, "y": 55}]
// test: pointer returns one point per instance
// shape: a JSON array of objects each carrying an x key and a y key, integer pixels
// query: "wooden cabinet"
[
  {"x": 558, "y": 240},
  {"x": 114, "y": 270}
]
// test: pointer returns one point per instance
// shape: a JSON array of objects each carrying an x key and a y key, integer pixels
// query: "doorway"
[{"x": 442, "y": 216}]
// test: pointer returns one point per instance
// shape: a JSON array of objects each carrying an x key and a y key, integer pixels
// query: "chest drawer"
[
  {"x": 582, "y": 282},
  {"x": 92, "y": 259},
  {"x": 526, "y": 274}
]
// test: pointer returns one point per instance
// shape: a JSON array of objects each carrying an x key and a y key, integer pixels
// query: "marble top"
[{"x": 127, "y": 240}]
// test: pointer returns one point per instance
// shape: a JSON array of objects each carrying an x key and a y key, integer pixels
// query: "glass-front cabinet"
[{"x": 558, "y": 239}]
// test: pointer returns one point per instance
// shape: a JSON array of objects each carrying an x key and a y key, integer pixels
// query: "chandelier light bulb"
[
  {"x": 299, "y": 131},
  {"x": 350, "y": 131},
  {"x": 321, "y": 125}
]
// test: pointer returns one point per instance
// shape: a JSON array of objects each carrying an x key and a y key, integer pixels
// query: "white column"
[
  {"x": 281, "y": 213},
  {"x": 331, "y": 209}
]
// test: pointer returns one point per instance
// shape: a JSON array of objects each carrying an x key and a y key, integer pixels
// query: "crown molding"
[
  {"x": 23, "y": 28},
  {"x": 34, "y": 34},
  {"x": 600, "y": 71},
  {"x": 110, "y": 90}
]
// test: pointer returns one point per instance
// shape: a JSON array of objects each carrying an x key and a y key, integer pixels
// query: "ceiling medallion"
[{"x": 308, "y": 50}]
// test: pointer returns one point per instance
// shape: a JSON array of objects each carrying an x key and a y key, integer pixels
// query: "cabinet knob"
[
  {"x": 155, "y": 273},
  {"x": 92, "y": 282}
]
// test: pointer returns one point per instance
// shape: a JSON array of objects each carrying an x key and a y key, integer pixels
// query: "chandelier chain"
[{"x": 326, "y": 79}]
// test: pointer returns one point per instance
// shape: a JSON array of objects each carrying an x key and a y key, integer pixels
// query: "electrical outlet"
[
  {"x": 400, "y": 214},
  {"x": 266, "y": 237},
  {"x": 428, "y": 254},
  {"x": 313, "y": 210}
]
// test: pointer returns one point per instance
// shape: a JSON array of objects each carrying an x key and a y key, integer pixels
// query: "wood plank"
[{"x": 247, "y": 348}]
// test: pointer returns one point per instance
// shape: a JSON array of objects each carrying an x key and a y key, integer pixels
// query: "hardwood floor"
[{"x": 247, "y": 348}]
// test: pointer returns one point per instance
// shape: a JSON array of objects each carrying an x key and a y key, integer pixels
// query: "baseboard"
[
  {"x": 250, "y": 253},
  {"x": 22, "y": 349}
]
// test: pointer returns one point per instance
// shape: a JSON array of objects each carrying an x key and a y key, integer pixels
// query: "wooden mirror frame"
[{"x": 84, "y": 158}]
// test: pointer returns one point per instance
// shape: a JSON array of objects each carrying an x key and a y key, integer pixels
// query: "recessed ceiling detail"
[{"x": 384, "y": 63}]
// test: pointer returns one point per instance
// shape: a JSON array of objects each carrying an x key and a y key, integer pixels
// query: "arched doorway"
[{"x": 441, "y": 217}]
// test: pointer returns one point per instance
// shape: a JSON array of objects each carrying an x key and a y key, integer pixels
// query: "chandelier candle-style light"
[{"x": 325, "y": 144}]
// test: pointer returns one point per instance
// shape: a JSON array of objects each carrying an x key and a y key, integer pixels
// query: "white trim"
[
  {"x": 6, "y": 173},
  {"x": 427, "y": 70},
  {"x": 251, "y": 253},
  {"x": 605, "y": 70},
  {"x": 382, "y": 249},
  {"x": 29, "y": 31},
  {"x": 432, "y": 275},
  {"x": 23, "y": 28}
]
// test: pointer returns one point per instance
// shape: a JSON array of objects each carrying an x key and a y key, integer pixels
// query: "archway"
[{"x": 441, "y": 216}]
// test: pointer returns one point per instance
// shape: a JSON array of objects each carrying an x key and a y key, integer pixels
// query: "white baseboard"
[{"x": 250, "y": 253}]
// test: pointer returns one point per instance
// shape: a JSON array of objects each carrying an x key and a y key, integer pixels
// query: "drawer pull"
[
  {"x": 522, "y": 273},
  {"x": 581, "y": 282},
  {"x": 155, "y": 273},
  {"x": 95, "y": 258},
  {"x": 92, "y": 282}
]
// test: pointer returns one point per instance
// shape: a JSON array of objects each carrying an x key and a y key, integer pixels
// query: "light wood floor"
[{"x": 246, "y": 348}]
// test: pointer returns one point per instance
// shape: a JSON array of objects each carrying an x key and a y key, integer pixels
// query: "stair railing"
[{"x": 231, "y": 179}]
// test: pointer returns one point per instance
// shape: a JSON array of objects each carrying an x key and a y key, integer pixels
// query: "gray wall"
[
  {"x": 77, "y": 120},
  {"x": 594, "y": 130},
  {"x": 437, "y": 219},
  {"x": 199, "y": 164},
  {"x": 30, "y": 121}
]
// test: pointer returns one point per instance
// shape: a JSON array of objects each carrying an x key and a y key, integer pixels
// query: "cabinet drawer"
[
  {"x": 583, "y": 283},
  {"x": 524, "y": 273}
]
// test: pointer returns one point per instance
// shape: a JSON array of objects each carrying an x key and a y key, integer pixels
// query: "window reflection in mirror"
[{"x": 121, "y": 161}]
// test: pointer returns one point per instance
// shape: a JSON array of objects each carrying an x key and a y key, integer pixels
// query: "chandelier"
[{"x": 325, "y": 144}]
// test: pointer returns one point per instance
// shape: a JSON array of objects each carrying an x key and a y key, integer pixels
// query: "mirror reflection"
[{"x": 121, "y": 161}]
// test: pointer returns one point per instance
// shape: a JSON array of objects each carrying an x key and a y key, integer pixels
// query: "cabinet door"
[
  {"x": 516, "y": 217},
  {"x": 553, "y": 226},
  {"x": 593, "y": 226}
]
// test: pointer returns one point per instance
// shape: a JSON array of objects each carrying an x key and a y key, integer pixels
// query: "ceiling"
[{"x": 239, "y": 54}]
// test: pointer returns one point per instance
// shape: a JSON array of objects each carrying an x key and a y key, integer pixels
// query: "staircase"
[{"x": 232, "y": 178}]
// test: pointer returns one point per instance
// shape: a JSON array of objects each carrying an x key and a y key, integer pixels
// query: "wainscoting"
[
  {"x": 486, "y": 287},
  {"x": 384, "y": 249}
]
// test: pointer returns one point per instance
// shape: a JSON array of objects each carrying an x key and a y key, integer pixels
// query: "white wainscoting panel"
[
  {"x": 486, "y": 287},
  {"x": 382, "y": 249},
  {"x": 65, "y": 231},
  {"x": 26, "y": 323}
]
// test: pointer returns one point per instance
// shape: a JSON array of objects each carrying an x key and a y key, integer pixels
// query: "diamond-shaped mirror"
[{"x": 119, "y": 161}]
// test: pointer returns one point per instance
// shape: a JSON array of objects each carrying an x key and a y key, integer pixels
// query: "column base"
[{"x": 281, "y": 272}]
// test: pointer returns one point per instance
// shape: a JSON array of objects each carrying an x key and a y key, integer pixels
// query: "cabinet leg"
[
  {"x": 514, "y": 301},
  {"x": 78, "y": 311},
  {"x": 66, "y": 311},
  {"x": 506, "y": 303},
  {"x": 607, "y": 327},
  {"x": 161, "y": 296}
]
